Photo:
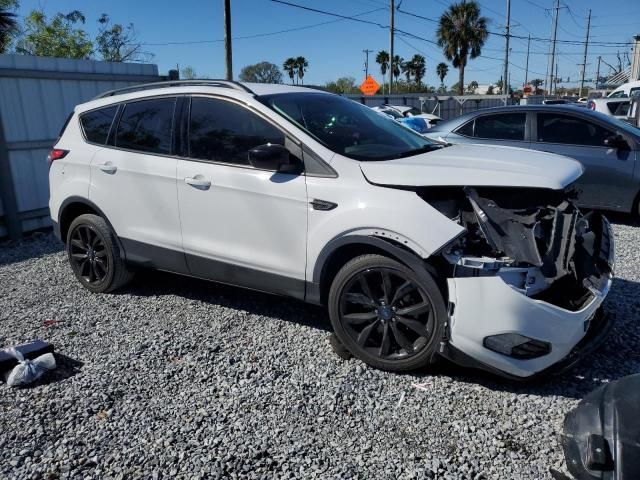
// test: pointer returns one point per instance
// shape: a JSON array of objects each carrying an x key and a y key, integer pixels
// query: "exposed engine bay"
[{"x": 535, "y": 239}]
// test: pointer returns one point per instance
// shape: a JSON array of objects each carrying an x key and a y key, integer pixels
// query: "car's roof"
[{"x": 238, "y": 90}]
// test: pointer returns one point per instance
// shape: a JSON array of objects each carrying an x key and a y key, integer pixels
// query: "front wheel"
[
  {"x": 387, "y": 315},
  {"x": 94, "y": 256}
]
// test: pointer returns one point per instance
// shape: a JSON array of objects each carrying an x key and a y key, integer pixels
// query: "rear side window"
[
  {"x": 556, "y": 128},
  {"x": 223, "y": 131},
  {"x": 508, "y": 126},
  {"x": 97, "y": 123},
  {"x": 146, "y": 126}
]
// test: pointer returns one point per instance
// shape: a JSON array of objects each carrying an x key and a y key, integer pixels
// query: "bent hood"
[{"x": 476, "y": 165}]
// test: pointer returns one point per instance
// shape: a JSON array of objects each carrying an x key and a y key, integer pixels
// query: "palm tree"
[
  {"x": 302, "y": 64},
  {"x": 461, "y": 34},
  {"x": 291, "y": 67},
  {"x": 382, "y": 59},
  {"x": 8, "y": 25},
  {"x": 397, "y": 65},
  {"x": 407, "y": 69},
  {"x": 536, "y": 83},
  {"x": 419, "y": 68},
  {"x": 472, "y": 87},
  {"x": 441, "y": 70}
]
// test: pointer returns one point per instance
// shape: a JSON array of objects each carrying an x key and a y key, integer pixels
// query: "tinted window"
[
  {"x": 347, "y": 127},
  {"x": 556, "y": 128},
  {"x": 466, "y": 129},
  {"x": 96, "y": 124},
  {"x": 508, "y": 126},
  {"x": 223, "y": 131},
  {"x": 146, "y": 126}
]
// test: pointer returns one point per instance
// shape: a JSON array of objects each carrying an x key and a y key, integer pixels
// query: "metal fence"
[
  {"x": 445, "y": 106},
  {"x": 36, "y": 95}
]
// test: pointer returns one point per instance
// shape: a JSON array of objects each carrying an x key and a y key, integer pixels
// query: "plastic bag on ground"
[{"x": 28, "y": 371}]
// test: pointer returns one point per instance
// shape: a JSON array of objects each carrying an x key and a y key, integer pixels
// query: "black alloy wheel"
[
  {"x": 88, "y": 255},
  {"x": 386, "y": 314}
]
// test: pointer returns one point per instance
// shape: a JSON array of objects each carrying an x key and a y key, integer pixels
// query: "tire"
[
  {"x": 94, "y": 256},
  {"x": 394, "y": 320}
]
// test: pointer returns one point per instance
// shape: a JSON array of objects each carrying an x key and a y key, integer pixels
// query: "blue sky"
[{"x": 335, "y": 49}]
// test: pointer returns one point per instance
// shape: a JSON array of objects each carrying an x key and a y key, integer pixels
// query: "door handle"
[
  {"x": 108, "y": 168},
  {"x": 198, "y": 182}
]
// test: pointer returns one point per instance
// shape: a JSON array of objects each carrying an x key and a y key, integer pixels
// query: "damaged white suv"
[{"x": 416, "y": 248}]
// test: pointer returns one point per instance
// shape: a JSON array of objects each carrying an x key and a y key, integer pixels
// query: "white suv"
[{"x": 417, "y": 249}]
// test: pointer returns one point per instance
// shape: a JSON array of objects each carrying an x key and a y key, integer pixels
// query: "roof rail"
[{"x": 176, "y": 83}]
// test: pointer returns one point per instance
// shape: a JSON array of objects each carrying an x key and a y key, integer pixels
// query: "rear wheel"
[
  {"x": 386, "y": 314},
  {"x": 94, "y": 256}
]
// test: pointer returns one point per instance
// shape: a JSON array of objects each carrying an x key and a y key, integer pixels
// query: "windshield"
[{"x": 347, "y": 127}]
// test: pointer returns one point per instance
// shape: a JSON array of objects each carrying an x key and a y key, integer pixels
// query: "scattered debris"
[{"x": 26, "y": 363}]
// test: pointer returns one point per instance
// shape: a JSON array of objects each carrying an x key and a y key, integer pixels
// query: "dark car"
[{"x": 607, "y": 147}]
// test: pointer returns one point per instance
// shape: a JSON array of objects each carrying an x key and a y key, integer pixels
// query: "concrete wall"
[{"x": 36, "y": 96}]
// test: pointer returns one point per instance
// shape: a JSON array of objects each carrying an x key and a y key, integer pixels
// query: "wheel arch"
[{"x": 343, "y": 249}]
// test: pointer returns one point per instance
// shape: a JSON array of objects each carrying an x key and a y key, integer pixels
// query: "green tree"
[
  {"x": 441, "y": 70},
  {"x": 8, "y": 23},
  {"x": 397, "y": 66},
  {"x": 188, "y": 73},
  {"x": 461, "y": 33},
  {"x": 407, "y": 69},
  {"x": 472, "y": 87},
  {"x": 498, "y": 84},
  {"x": 536, "y": 83},
  {"x": 263, "y": 72},
  {"x": 342, "y": 85},
  {"x": 117, "y": 43},
  {"x": 302, "y": 65},
  {"x": 59, "y": 37},
  {"x": 419, "y": 68},
  {"x": 291, "y": 67},
  {"x": 382, "y": 59},
  {"x": 490, "y": 90}
]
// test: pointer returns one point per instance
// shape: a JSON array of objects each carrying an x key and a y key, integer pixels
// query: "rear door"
[
  {"x": 240, "y": 225},
  {"x": 506, "y": 129},
  {"x": 133, "y": 181},
  {"x": 608, "y": 178}
]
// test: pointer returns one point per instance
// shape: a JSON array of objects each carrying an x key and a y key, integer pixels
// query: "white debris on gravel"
[{"x": 180, "y": 378}]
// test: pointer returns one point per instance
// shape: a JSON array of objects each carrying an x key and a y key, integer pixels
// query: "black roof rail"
[{"x": 176, "y": 83}]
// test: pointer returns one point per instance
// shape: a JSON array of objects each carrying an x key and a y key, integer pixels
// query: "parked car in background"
[
  {"x": 613, "y": 107},
  {"x": 417, "y": 249},
  {"x": 625, "y": 90},
  {"x": 405, "y": 111},
  {"x": 608, "y": 148}
]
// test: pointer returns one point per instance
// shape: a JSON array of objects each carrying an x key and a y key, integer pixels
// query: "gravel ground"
[{"x": 178, "y": 378}]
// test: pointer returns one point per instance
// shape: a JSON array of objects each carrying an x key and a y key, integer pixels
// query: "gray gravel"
[{"x": 178, "y": 378}]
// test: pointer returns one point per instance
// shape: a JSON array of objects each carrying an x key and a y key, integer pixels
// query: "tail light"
[{"x": 56, "y": 154}]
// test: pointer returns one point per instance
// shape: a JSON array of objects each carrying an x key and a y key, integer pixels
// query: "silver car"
[{"x": 608, "y": 148}]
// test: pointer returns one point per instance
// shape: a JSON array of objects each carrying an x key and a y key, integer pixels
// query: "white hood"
[{"x": 477, "y": 166}]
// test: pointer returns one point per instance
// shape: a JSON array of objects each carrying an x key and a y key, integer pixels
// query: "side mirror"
[
  {"x": 616, "y": 141},
  {"x": 272, "y": 156}
]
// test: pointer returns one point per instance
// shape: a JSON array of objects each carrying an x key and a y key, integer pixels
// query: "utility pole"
[
  {"x": 227, "y": 39},
  {"x": 584, "y": 61},
  {"x": 555, "y": 79},
  {"x": 526, "y": 68},
  {"x": 552, "y": 60},
  {"x": 366, "y": 62},
  {"x": 505, "y": 75},
  {"x": 598, "y": 74},
  {"x": 392, "y": 6}
]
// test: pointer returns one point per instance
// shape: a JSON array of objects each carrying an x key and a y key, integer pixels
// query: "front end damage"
[{"x": 526, "y": 280}]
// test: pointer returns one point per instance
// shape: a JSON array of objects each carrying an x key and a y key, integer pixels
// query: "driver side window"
[{"x": 222, "y": 131}]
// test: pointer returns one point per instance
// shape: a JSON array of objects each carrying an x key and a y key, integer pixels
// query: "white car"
[
  {"x": 417, "y": 249},
  {"x": 405, "y": 111},
  {"x": 617, "y": 107},
  {"x": 626, "y": 90}
]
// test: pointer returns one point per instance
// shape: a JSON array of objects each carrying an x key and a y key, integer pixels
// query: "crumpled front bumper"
[{"x": 485, "y": 306}]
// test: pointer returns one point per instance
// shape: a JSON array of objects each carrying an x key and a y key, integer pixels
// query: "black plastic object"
[
  {"x": 29, "y": 350},
  {"x": 601, "y": 438}
]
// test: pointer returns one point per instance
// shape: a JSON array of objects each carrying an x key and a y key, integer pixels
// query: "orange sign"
[{"x": 369, "y": 86}]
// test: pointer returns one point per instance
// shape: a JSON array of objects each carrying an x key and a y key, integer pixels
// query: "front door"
[
  {"x": 608, "y": 180},
  {"x": 240, "y": 225}
]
